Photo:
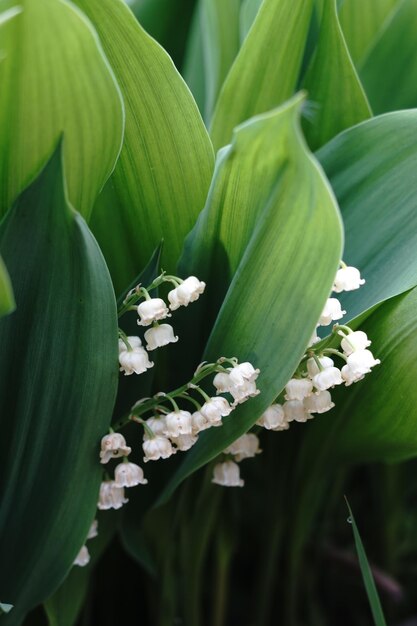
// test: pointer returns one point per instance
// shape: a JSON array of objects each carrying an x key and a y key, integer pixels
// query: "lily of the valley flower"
[
  {"x": 93, "y": 532},
  {"x": 200, "y": 422},
  {"x": 113, "y": 446},
  {"x": 184, "y": 442},
  {"x": 246, "y": 447},
  {"x": 178, "y": 423},
  {"x": 214, "y": 409},
  {"x": 327, "y": 378},
  {"x": 157, "y": 448},
  {"x": 295, "y": 411},
  {"x": 347, "y": 279},
  {"x": 298, "y": 388},
  {"x": 188, "y": 291},
  {"x": 361, "y": 361},
  {"x": 135, "y": 361},
  {"x": 111, "y": 496},
  {"x": 151, "y": 311},
  {"x": 313, "y": 368},
  {"x": 83, "y": 557},
  {"x": 159, "y": 335},
  {"x": 129, "y": 475},
  {"x": 227, "y": 474},
  {"x": 332, "y": 311},
  {"x": 320, "y": 402},
  {"x": 243, "y": 373},
  {"x": 349, "y": 376},
  {"x": 273, "y": 418},
  {"x": 358, "y": 340}
]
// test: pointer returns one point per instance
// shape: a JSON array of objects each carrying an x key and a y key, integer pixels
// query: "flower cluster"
[
  {"x": 227, "y": 472},
  {"x": 83, "y": 557}
]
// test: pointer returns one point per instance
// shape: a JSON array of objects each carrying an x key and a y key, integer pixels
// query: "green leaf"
[
  {"x": 266, "y": 69},
  {"x": 193, "y": 67},
  {"x": 248, "y": 13},
  {"x": 362, "y": 22},
  {"x": 58, "y": 379},
  {"x": 272, "y": 215},
  {"x": 163, "y": 173},
  {"x": 368, "y": 579},
  {"x": 46, "y": 89},
  {"x": 7, "y": 303},
  {"x": 393, "y": 57},
  {"x": 332, "y": 84},
  {"x": 371, "y": 168},
  {"x": 219, "y": 23}
]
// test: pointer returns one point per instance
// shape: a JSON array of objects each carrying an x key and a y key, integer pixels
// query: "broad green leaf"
[
  {"x": 266, "y": 69},
  {"x": 55, "y": 80},
  {"x": 393, "y": 57},
  {"x": 362, "y": 22},
  {"x": 219, "y": 23},
  {"x": 7, "y": 303},
  {"x": 332, "y": 83},
  {"x": 248, "y": 12},
  {"x": 8, "y": 15},
  {"x": 368, "y": 579},
  {"x": 371, "y": 168},
  {"x": 270, "y": 215},
  {"x": 193, "y": 67},
  {"x": 163, "y": 173},
  {"x": 58, "y": 378}
]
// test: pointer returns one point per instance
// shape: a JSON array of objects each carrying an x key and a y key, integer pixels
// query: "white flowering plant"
[{"x": 207, "y": 282}]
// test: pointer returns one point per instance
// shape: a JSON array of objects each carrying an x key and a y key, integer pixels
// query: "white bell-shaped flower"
[
  {"x": 113, "y": 446},
  {"x": 151, "y": 311},
  {"x": 357, "y": 340},
  {"x": 184, "y": 442},
  {"x": 298, "y": 388},
  {"x": 93, "y": 532},
  {"x": 134, "y": 342},
  {"x": 327, "y": 378},
  {"x": 135, "y": 361},
  {"x": 188, "y": 291},
  {"x": 83, "y": 557},
  {"x": 157, "y": 426},
  {"x": 313, "y": 368},
  {"x": 129, "y": 475},
  {"x": 227, "y": 474},
  {"x": 332, "y": 311},
  {"x": 222, "y": 382},
  {"x": 178, "y": 423},
  {"x": 347, "y": 279},
  {"x": 157, "y": 448},
  {"x": 200, "y": 423},
  {"x": 273, "y": 418},
  {"x": 246, "y": 447},
  {"x": 320, "y": 402},
  {"x": 214, "y": 409},
  {"x": 159, "y": 336},
  {"x": 294, "y": 410},
  {"x": 242, "y": 374},
  {"x": 111, "y": 496},
  {"x": 349, "y": 376},
  {"x": 361, "y": 361},
  {"x": 243, "y": 392}
]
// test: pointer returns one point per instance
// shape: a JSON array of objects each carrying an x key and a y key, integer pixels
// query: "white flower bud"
[
  {"x": 328, "y": 378},
  {"x": 332, "y": 311},
  {"x": 349, "y": 376},
  {"x": 294, "y": 411},
  {"x": 83, "y": 557},
  {"x": 157, "y": 448},
  {"x": 298, "y": 388},
  {"x": 151, "y": 311},
  {"x": 135, "y": 361},
  {"x": 361, "y": 361},
  {"x": 243, "y": 373},
  {"x": 222, "y": 382},
  {"x": 273, "y": 418},
  {"x": 178, "y": 423},
  {"x": 200, "y": 423},
  {"x": 111, "y": 496},
  {"x": 184, "y": 442},
  {"x": 159, "y": 336},
  {"x": 313, "y": 368},
  {"x": 188, "y": 291},
  {"x": 93, "y": 532},
  {"x": 357, "y": 340},
  {"x": 129, "y": 475},
  {"x": 113, "y": 446},
  {"x": 246, "y": 447},
  {"x": 134, "y": 342},
  {"x": 319, "y": 402},
  {"x": 214, "y": 409},
  {"x": 227, "y": 475},
  {"x": 347, "y": 279},
  {"x": 157, "y": 426}
]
